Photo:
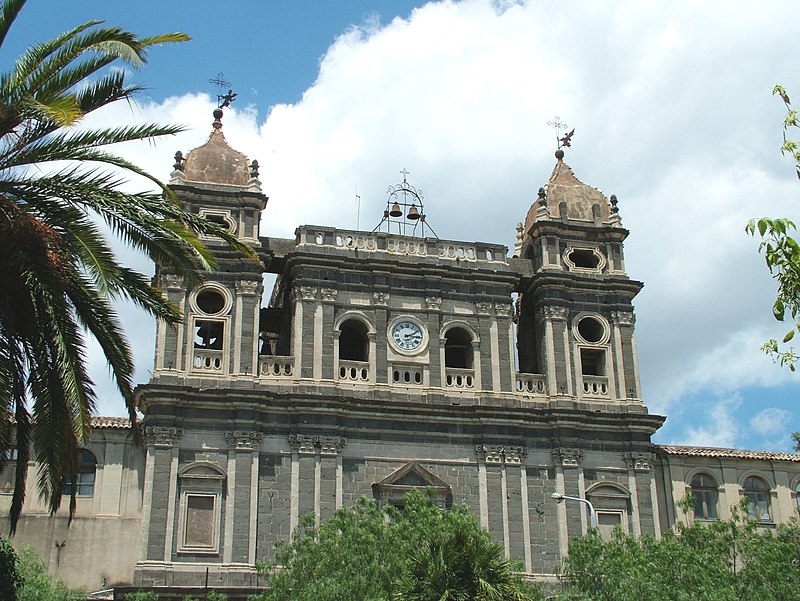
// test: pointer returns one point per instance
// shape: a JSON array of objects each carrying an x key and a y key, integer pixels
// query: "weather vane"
[
  {"x": 223, "y": 100},
  {"x": 564, "y": 141}
]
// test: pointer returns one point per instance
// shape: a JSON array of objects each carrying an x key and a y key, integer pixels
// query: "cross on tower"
[
  {"x": 565, "y": 140},
  {"x": 223, "y": 100},
  {"x": 405, "y": 173}
]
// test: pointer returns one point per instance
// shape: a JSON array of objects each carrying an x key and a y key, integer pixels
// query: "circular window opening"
[
  {"x": 210, "y": 302},
  {"x": 590, "y": 329}
]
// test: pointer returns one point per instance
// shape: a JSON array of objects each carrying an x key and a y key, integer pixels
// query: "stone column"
[
  {"x": 434, "y": 304},
  {"x": 559, "y": 378},
  {"x": 324, "y": 450},
  {"x": 381, "y": 304},
  {"x": 158, "y": 515},
  {"x": 325, "y": 340},
  {"x": 627, "y": 368},
  {"x": 240, "y": 522},
  {"x": 506, "y": 349},
  {"x": 303, "y": 348},
  {"x": 567, "y": 459},
  {"x": 640, "y": 479},
  {"x": 245, "y": 329},
  {"x": 487, "y": 373}
]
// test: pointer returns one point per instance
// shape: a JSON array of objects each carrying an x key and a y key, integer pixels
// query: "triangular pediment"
[{"x": 412, "y": 475}]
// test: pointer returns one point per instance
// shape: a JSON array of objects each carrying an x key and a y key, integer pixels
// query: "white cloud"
[
  {"x": 717, "y": 427},
  {"x": 770, "y": 422},
  {"x": 672, "y": 112}
]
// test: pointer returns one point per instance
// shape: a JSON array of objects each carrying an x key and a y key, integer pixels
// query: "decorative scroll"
[
  {"x": 161, "y": 437},
  {"x": 567, "y": 457},
  {"x": 312, "y": 445},
  {"x": 501, "y": 454},
  {"x": 639, "y": 461},
  {"x": 328, "y": 294},
  {"x": 244, "y": 441}
]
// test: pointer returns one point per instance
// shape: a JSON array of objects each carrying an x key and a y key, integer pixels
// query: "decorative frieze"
[
  {"x": 172, "y": 282},
  {"x": 381, "y": 299},
  {"x": 639, "y": 461},
  {"x": 313, "y": 445},
  {"x": 567, "y": 457},
  {"x": 501, "y": 454},
  {"x": 328, "y": 294},
  {"x": 244, "y": 441},
  {"x": 434, "y": 303},
  {"x": 503, "y": 310},
  {"x": 247, "y": 287},
  {"x": 554, "y": 312},
  {"x": 306, "y": 293},
  {"x": 623, "y": 318},
  {"x": 161, "y": 437},
  {"x": 483, "y": 308}
]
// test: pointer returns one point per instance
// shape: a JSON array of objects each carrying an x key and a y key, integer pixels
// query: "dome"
[
  {"x": 215, "y": 162},
  {"x": 578, "y": 198}
]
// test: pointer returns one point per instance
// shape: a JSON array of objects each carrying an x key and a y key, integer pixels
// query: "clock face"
[{"x": 407, "y": 335}]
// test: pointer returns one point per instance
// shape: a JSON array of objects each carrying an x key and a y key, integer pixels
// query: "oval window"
[
  {"x": 583, "y": 258},
  {"x": 210, "y": 301},
  {"x": 590, "y": 329}
]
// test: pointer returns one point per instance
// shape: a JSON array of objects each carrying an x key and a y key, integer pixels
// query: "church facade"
[{"x": 386, "y": 361}]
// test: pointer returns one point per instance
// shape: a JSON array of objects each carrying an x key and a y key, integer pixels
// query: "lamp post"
[{"x": 592, "y": 515}]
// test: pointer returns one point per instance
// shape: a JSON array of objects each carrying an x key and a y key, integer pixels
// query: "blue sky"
[{"x": 672, "y": 109}]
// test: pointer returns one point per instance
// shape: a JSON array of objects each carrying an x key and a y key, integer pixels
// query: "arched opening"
[
  {"x": 458, "y": 349},
  {"x": 84, "y": 476},
  {"x": 353, "y": 341},
  {"x": 704, "y": 491},
  {"x": 756, "y": 492}
]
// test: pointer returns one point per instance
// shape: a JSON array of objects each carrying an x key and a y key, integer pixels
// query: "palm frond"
[{"x": 8, "y": 15}]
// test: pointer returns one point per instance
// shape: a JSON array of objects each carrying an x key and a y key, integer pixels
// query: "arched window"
[
  {"x": 756, "y": 492},
  {"x": 704, "y": 491},
  {"x": 458, "y": 349},
  {"x": 353, "y": 341},
  {"x": 84, "y": 481}
]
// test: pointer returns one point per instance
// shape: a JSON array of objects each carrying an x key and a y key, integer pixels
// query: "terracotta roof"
[
  {"x": 122, "y": 423},
  {"x": 671, "y": 449}
]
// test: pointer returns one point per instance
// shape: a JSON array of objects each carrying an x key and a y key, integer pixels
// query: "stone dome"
[
  {"x": 215, "y": 162},
  {"x": 579, "y": 198}
]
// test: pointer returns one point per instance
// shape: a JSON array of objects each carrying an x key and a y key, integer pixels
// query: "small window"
[
  {"x": 208, "y": 334},
  {"x": 704, "y": 491},
  {"x": 584, "y": 258},
  {"x": 458, "y": 349},
  {"x": 7, "y": 471},
  {"x": 756, "y": 492},
  {"x": 210, "y": 301},
  {"x": 591, "y": 330},
  {"x": 353, "y": 342},
  {"x": 84, "y": 482},
  {"x": 593, "y": 362},
  {"x": 199, "y": 530},
  {"x": 221, "y": 219},
  {"x": 607, "y": 521}
]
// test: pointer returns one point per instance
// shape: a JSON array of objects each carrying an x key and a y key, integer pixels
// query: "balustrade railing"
[
  {"x": 531, "y": 383},
  {"x": 459, "y": 378},
  {"x": 276, "y": 366},
  {"x": 595, "y": 386},
  {"x": 354, "y": 371},
  {"x": 206, "y": 360}
]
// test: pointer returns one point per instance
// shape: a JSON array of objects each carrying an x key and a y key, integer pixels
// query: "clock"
[{"x": 407, "y": 335}]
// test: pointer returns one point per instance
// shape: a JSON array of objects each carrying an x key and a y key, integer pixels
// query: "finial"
[
  {"x": 614, "y": 208},
  {"x": 254, "y": 168},
  {"x": 178, "y": 166},
  {"x": 542, "y": 197},
  {"x": 560, "y": 154},
  {"x": 217, "y": 124}
]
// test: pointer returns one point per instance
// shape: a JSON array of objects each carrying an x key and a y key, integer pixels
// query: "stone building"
[{"x": 382, "y": 362}]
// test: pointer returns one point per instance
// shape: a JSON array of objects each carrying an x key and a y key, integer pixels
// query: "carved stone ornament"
[
  {"x": 173, "y": 282},
  {"x": 328, "y": 294},
  {"x": 484, "y": 308},
  {"x": 567, "y": 457},
  {"x": 501, "y": 454},
  {"x": 312, "y": 445},
  {"x": 555, "y": 312},
  {"x": 306, "y": 293},
  {"x": 247, "y": 287},
  {"x": 503, "y": 310},
  {"x": 639, "y": 461},
  {"x": 623, "y": 318},
  {"x": 381, "y": 299},
  {"x": 434, "y": 303},
  {"x": 244, "y": 441},
  {"x": 161, "y": 437}
]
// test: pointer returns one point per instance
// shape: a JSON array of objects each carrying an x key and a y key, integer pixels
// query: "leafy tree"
[
  {"x": 725, "y": 560},
  {"x": 10, "y": 578},
  {"x": 59, "y": 275},
  {"x": 38, "y": 584},
  {"x": 366, "y": 553},
  {"x": 782, "y": 251}
]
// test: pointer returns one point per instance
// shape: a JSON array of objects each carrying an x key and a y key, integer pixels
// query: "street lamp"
[{"x": 592, "y": 515}]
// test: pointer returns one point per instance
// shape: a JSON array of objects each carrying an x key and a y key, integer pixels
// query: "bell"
[
  {"x": 413, "y": 214},
  {"x": 395, "y": 212}
]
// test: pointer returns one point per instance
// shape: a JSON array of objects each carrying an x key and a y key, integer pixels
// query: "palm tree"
[
  {"x": 59, "y": 275},
  {"x": 464, "y": 565}
]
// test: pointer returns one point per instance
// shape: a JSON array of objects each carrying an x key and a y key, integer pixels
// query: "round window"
[
  {"x": 210, "y": 301},
  {"x": 590, "y": 329}
]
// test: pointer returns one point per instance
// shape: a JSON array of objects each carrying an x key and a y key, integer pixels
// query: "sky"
[{"x": 672, "y": 109}]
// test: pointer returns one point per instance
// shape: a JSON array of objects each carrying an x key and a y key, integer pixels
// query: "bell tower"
[
  {"x": 219, "y": 333},
  {"x": 575, "y": 313}
]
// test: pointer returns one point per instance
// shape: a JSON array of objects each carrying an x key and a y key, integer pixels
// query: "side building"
[{"x": 385, "y": 362}]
